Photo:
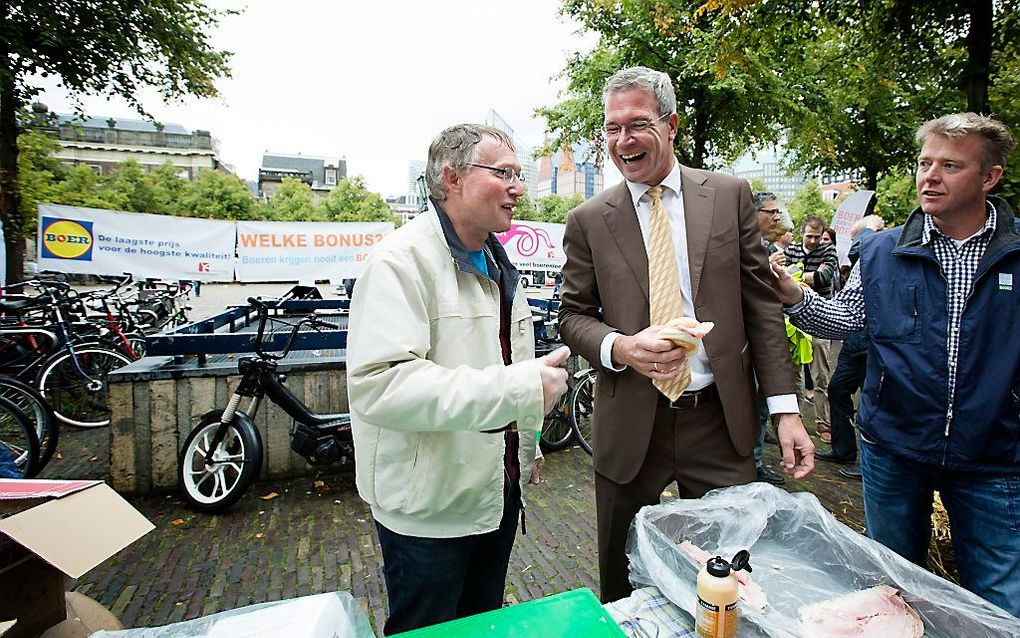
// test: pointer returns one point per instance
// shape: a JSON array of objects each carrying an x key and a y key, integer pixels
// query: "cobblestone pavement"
[{"x": 306, "y": 536}]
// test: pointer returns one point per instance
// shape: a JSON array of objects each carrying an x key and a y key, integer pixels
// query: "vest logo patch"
[{"x": 1005, "y": 281}]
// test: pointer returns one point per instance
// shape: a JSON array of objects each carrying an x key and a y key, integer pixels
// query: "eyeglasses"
[
  {"x": 770, "y": 211},
  {"x": 506, "y": 174},
  {"x": 613, "y": 130}
]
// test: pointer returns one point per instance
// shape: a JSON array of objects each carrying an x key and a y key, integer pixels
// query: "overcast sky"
[{"x": 372, "y": 82}]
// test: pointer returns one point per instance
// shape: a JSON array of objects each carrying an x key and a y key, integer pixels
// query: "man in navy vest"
[{"x": 940, "y": 408}]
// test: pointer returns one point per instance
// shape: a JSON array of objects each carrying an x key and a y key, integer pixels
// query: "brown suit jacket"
[{"x": 605, "y": 289}]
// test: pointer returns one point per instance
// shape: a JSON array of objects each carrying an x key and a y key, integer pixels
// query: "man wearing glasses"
[
  {"x": 687, "y": 241},
  {"x": 445, "y": 392}
]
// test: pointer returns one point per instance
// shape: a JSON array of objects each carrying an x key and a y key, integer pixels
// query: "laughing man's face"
[{"x": 643, "y": 157}]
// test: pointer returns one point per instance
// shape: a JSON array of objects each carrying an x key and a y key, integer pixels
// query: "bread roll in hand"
[{"x": 686, "y": 332}]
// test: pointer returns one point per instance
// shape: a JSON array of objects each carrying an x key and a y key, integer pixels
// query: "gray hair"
[
  {"x": 455, "y": 147},
  {"x": 758, "y": 198},
  {"x": 998, "y": 141},
  {"x": 640, "y": 77}
]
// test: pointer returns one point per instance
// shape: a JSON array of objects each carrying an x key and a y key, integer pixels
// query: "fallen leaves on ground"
[{"x": 270, "y": 496}]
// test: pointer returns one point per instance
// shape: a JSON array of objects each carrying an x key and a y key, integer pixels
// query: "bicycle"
[
  {"x": 582, "y": 407},
  {"x": 223, "y": 454},
  {"x": 19, "y": 444},
  {"x": 68, "y": 370}
]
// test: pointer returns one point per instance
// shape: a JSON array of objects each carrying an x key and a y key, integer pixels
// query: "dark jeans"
[
  {"x": 984, "y": 519},
  {"x": 433, "y": 580},
  {"x": 846, "y": 380}
]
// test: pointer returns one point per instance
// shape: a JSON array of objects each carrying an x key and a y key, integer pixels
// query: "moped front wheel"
[{"x": 212, "y": 480}]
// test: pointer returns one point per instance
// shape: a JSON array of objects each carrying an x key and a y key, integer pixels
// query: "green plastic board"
[{"x": 574, "y": 614}]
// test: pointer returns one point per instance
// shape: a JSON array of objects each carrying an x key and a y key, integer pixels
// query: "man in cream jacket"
[{"x": 445, "y": 392}]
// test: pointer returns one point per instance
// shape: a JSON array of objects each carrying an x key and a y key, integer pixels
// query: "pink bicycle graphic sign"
[{"x": 526, "y": 240}]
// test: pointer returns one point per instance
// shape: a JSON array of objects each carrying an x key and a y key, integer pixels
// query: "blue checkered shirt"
[{"x": 843, "y": 315}]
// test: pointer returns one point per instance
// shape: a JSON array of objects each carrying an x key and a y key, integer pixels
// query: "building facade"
[
  {"x": 570, "y": 171},
  {"x": 320, "y": 173},
  {"x": 104, "y": 144}
]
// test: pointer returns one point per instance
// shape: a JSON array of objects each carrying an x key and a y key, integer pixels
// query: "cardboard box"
[{"x": 51, "y": 531}]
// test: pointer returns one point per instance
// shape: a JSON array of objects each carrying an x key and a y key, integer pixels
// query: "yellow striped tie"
[{"x": 665, "y": 298}]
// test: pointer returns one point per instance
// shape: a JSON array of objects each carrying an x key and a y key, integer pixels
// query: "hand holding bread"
[{"x": 686, "y": 332}]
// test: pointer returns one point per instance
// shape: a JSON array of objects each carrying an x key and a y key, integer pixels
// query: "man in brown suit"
[{"x": 704, "y": 439}]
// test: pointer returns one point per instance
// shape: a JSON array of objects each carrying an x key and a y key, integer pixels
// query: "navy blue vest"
[{"x": 905, "y": 401}]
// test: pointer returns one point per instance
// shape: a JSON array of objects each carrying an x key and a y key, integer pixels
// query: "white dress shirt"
[{"x": 672, "y": 200}]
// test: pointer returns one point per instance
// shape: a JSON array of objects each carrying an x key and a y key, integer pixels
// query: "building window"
[
  {"x": 330, "y": 177},
  {"x": 96, "y": 168}
]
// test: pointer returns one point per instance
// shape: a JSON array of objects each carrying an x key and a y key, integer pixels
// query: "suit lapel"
[
  {"x": 699, "y": 201},
  {"x": 621, "y": 218}
]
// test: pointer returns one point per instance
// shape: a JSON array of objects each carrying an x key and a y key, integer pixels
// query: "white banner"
[
  {"x": 305, "y": 251},
  {"x": 534, "y": 245},
  {"x": 850, "y": 211},
  {"x": 105, "y": 242}
]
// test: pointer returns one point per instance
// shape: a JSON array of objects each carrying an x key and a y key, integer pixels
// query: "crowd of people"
[{"x": 446, "y": 394}]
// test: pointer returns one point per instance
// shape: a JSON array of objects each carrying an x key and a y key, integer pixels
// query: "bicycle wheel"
[
  {"x": 77, "y": 400},
  {"x": 582, "y": 408},
  {"x": 556, "y": 431},
  {"x": 32, "y": 404},
  {"x": 19, "y": 444},
  {"x": 213, "y": 487}
]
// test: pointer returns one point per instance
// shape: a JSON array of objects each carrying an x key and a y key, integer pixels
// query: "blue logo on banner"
[{"x": 66, "y": 239}]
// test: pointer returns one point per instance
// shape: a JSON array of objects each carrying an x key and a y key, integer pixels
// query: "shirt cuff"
[
  {"x": 783, "y": 404},
  {"x": 606, "y": 352},
  {"x": 800, "y": 305}
]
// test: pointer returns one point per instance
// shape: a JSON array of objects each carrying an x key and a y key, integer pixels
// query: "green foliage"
[
  {"x": 1003, "y": 98},
  {"x": 83, "y": 187},
  {"x": 807, "y": 202},
  {"x": 39, "y": 175},
  {"x": 554, "y": 208},
  {"x": 896, "y": 197},
  {"x": 351, "y": 201},
  {"x": 132, "y": 185},
  {"x": 168, "y": 188},
  {"x": 294, "y": 202},
  {"x": 525, "y": 209},
  {"x": 758, "y": 185},
  {"x": 109, "y": 48},
  {"x": 726, "y": 97},
  {"x": 216, "y": 195}
]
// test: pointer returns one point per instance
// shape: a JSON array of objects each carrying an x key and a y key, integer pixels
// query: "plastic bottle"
[{"x": 717, "y": 596}]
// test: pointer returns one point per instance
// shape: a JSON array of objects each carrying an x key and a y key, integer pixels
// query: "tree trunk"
[
  {"x": 10, "y": 194},
  {"x": 979, "y": 55},
  {"x": 871, "y": 178}
]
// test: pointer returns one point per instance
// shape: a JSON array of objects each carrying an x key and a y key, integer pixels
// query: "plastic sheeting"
[
  {"x": 800, "y": 555},
  {"x": 332, "y": 615}
]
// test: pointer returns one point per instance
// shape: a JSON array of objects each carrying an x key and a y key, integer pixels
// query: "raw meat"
[{"x": 877, "y": 612}]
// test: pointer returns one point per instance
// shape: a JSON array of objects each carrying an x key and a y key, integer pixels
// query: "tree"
[
  {"x": 111, "y": 48},
  {"x": 525, "y": 209},
  {"x": 896, "y": 197},
  {"x": 553, "y": 208},
  {"x": 726, "y": 97},
  {"x": 216, "y": 195},
  {"x": 132, "y": 185},
  {"x": 83, "y": 187},
  {"x": 294, "y": 202},
  {"x": 40, "y": 173},
  {"x": 351, "y": 201},
  {"x": 168, "y": 188},
  {"x": 808, "y": 202},
  {"x": 758, "y": 185}
]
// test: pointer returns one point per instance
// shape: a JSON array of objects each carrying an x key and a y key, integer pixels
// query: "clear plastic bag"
[
  {"x": 331, "y": 615},
  {"x": 800, "y": 555}
]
